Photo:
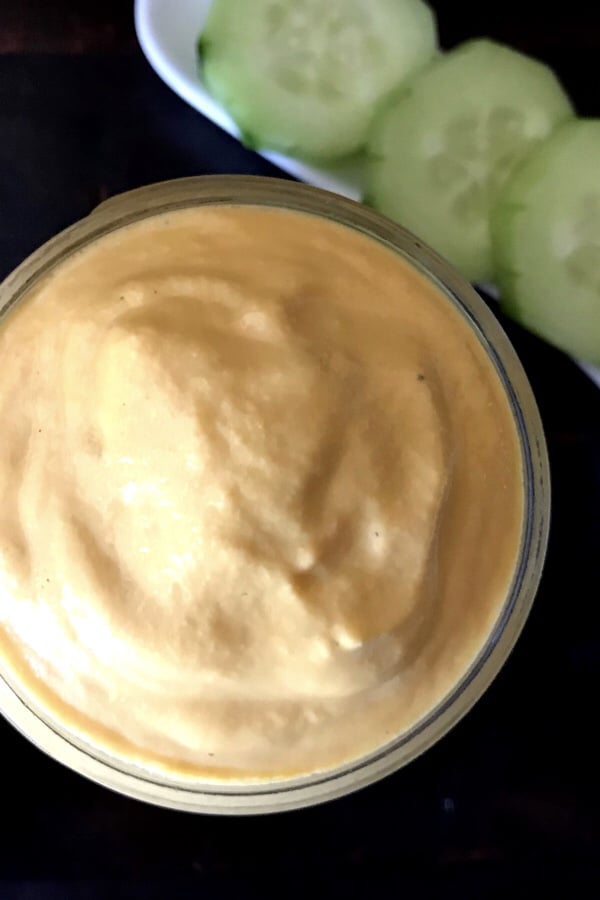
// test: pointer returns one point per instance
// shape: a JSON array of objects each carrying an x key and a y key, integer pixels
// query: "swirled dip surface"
[{"x": 261, "y": 494}]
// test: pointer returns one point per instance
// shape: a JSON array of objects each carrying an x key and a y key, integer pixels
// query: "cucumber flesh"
[
  {"x": 441, "y": 151},
  {"x": 305, "y": 76},
  {"x": 546, "y": 241}
]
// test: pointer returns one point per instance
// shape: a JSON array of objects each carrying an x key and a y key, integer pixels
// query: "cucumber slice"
[
  {"x": 440, "y": 152},
  {"x": 546, "y": 240},
  {"x": 304, "y": 76}
]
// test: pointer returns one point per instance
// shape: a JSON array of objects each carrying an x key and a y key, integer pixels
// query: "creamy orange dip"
[{"x": 261, "y": 490}]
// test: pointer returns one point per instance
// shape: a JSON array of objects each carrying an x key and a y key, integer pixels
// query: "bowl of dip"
[{"x": 275, "y": 496}]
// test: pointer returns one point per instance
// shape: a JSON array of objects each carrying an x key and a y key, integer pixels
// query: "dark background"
[{"x": 508, "y": 802}]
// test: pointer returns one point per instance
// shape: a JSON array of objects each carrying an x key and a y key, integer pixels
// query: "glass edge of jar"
[{"x": 243, "y": 798}]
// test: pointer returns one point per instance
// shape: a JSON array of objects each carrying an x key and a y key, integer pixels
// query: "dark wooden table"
[{"x": 508, "y": 802}]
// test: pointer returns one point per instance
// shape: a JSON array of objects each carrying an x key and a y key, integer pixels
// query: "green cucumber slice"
[
  {"x": 305, "y": 76},
  {"x": 441, "y": 151},
  {"x": 546, "y": 241}
]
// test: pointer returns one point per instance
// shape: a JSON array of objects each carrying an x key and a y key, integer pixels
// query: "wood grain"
[
  {"x": 90, "y": 26},
  {"x": 66, "y": 27}
]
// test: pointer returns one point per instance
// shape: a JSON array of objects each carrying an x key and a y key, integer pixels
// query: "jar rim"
[{"x": 278, "y": 795}]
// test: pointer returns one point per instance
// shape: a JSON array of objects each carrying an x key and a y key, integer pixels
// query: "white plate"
[{"x": 168, "y": 31}]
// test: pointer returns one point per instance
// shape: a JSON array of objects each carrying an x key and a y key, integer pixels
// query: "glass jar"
[{"x": 261, "y": 797}]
